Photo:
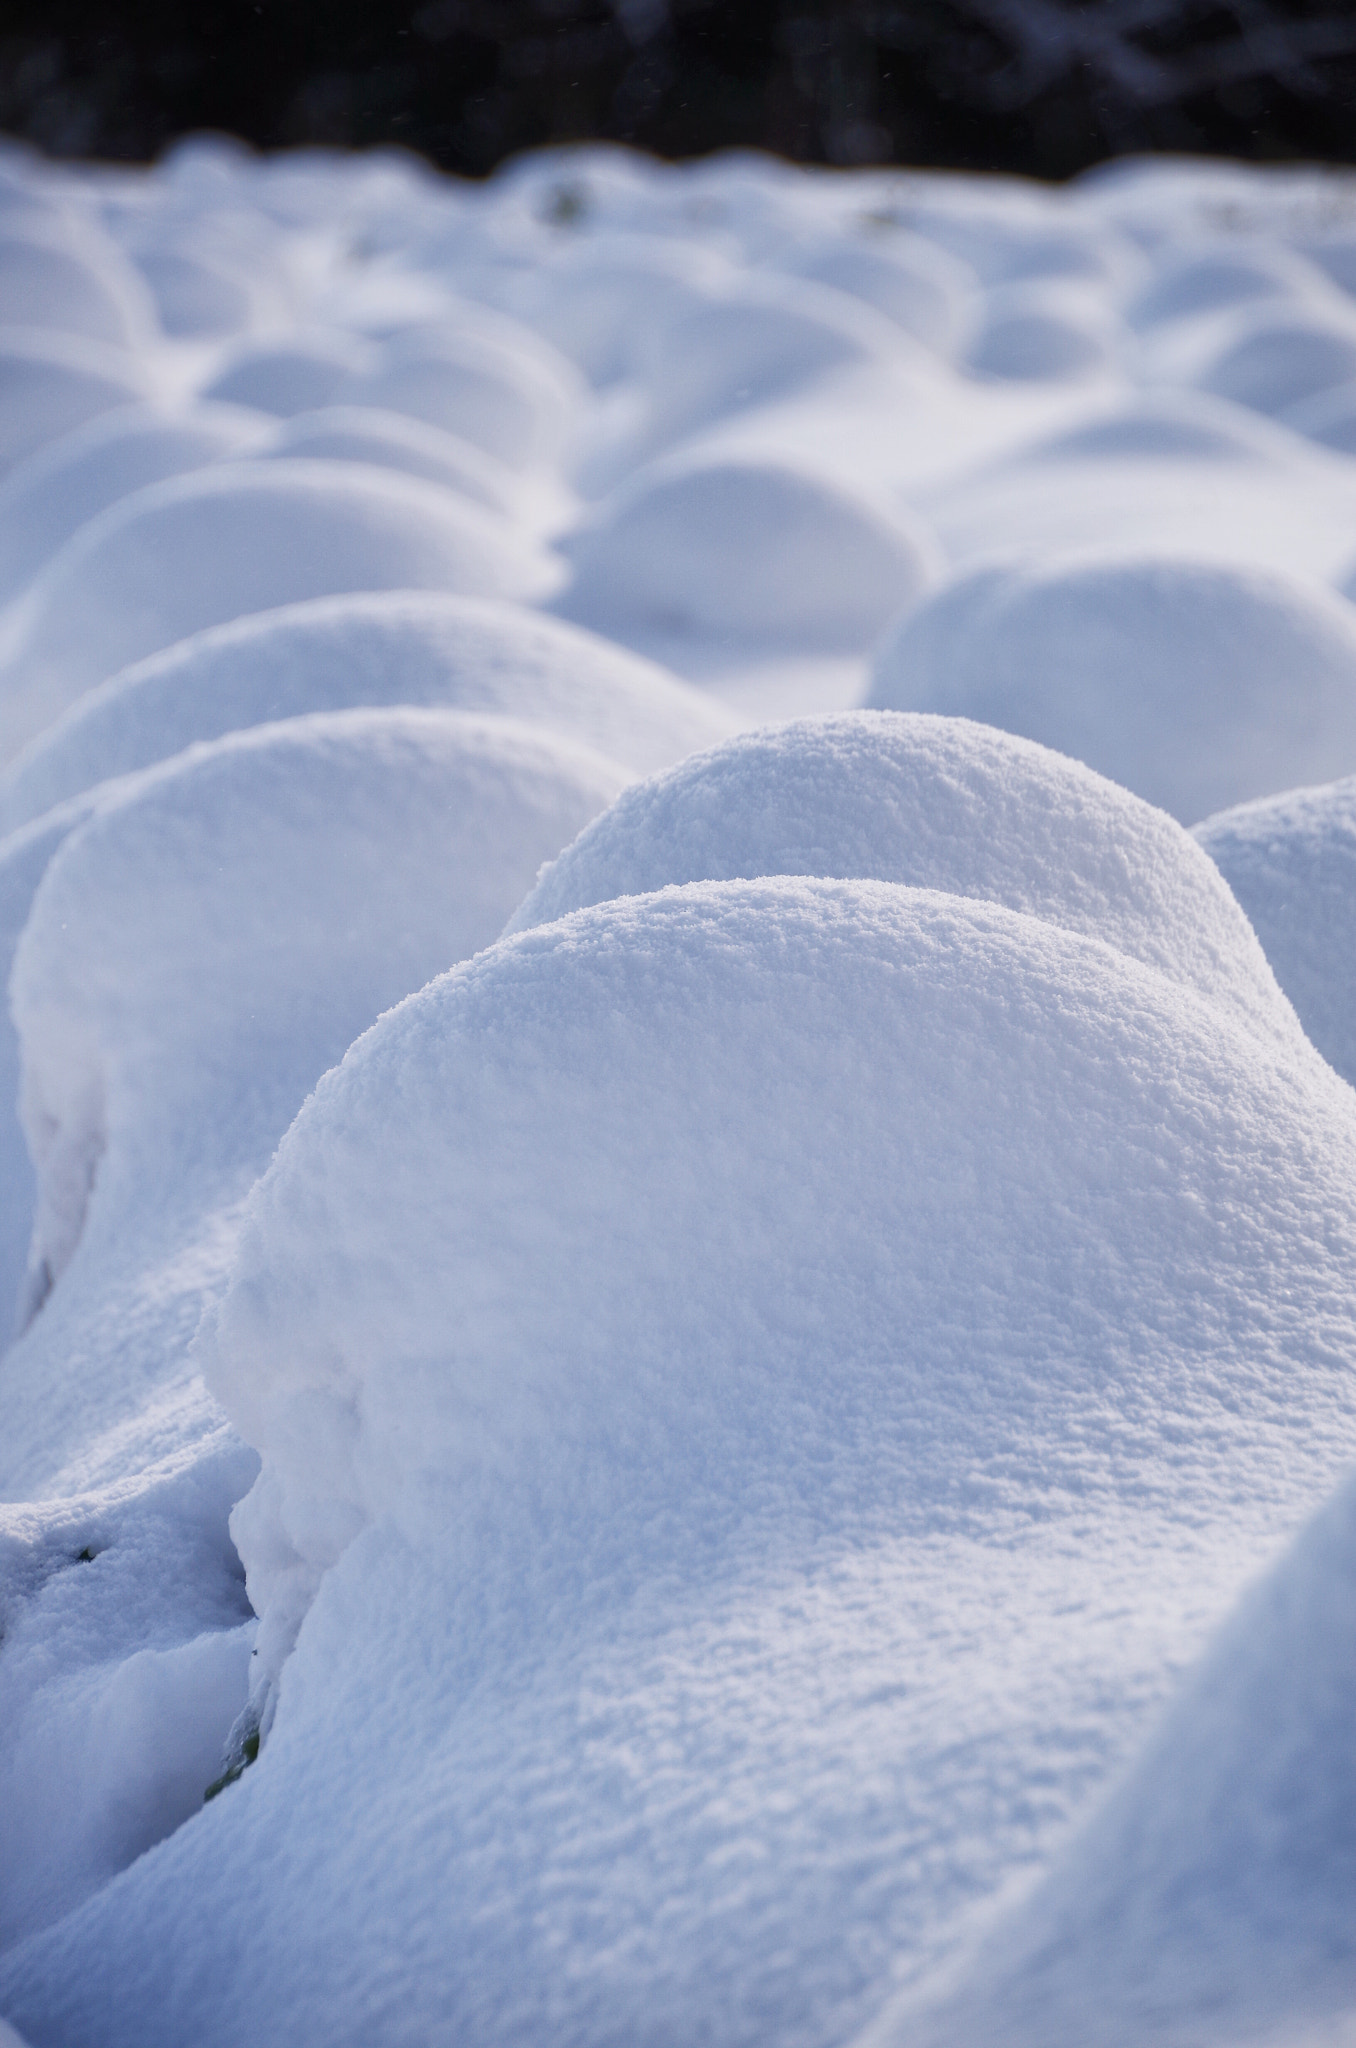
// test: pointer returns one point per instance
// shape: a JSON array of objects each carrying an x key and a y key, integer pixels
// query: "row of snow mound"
[
  {"x": 649, "y": 1346},
  {"x": 701, "y": 1351}
]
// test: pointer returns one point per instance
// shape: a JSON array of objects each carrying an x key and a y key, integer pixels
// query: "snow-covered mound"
[
  {"x": 1212, "y": 1895},
  {"x": 1196, "y": 684},
  {"x": 745, "y": 549},
  {"x": 936, "y": 804},
  {"x": 334, "y": 654},
  {"x": 51, "y": 383},
  {"x": 242, "y": 537},
  {"x": 360, "y": 433},
  {"x": 44, "y": 500},
  {"x": 672, "y": 1338},
  {"x": 289, "y": 884},
  {"x": 1291, "y": 862},
  {"x": 71, "y": 278}
]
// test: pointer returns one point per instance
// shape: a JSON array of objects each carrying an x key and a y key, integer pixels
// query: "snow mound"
[
  {"x": 1291, "y": 862},
  {"x": 51, "y": 383},
  {"x": 1196, "y": 684},
  {"x": 486, "y": 379},
  {"x": 1028, "y": 333},
  {"x": 387, "y": 648},
  {"x": 357, "y": 433},
  {"x": 1329, "y": 418},
  {"x": 1219, "y": 274},
  {"x": 196, "y": 296},
  {"x": 762, "y": 338},
  {"x": 1216, "y": 1885},
  {"x": 289, "y": 883},
  {"x": 1155, "y": 426},
  {"x": 300, "y": 374},
  {"x": 762, "y": 550},
  {"x": 597, "y": 300},
  {"x": 241, "y": 537},
  {"x": 1281, "y": 358},
  {"x": 74, "y": 280},
  {"x": 47, "y": 498},
  {"x": 637, "y": 1316},
  {"x": 922, "y": 288},
  {"x": 198, "y": 952},
  {"x": 934, "y": 804}
]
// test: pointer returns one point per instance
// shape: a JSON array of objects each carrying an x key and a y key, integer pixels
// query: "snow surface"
[
  {"x": 691, "y": 1315},
  {"x": 1194, "y": 683}
]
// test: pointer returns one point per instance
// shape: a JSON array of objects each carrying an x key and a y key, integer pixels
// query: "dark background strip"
[{"x": 1041, "y": 86}]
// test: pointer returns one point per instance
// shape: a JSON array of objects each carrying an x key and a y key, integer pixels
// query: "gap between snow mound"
[
  {"x": 201, "y": 549},
  {"x": 376, "y": 648},
  {"x": 704, "y": 1351},
  {"x": 1197, "y": 684},
  {"x": 1291, "y": 862},
  {"x": 197, "y": 953},
  {"x": 935, "y": 803}
]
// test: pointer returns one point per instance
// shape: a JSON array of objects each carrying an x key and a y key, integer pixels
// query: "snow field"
[{"x": 682, "y": 1292}]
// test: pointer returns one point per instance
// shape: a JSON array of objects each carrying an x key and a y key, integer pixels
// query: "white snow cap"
[
  {"x": 379, "y": 648},
  {"x": 1196, "y": 684},
  {"x": 1291, "y": 862},
  {"x": 241, "y": 537},
  {"x": 936, "y": 803}
]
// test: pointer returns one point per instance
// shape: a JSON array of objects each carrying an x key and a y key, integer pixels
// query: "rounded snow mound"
[
  {"x": 933, "y": 803},
  {"x": 762, "y": 550},
  {"x": 1174, "y": 426},
  {"x": 381, "y": 648},
  {"x": 51, "y": 383},
  {"x": 597, "y": 300},
  {"x": 71, "y": 278},
  {"x": 62, "y": 486},
  {"x": 1329, "y": 418},
  {"x": 1282, "y": 358},
  {"x": 199, "y": 297},
  {"x": 1197, "y": 684},
  {"x": 243, "y": 537},
  {"x": 289, "y": 883},
  {"x": 300, "y": 374},
  {"x": 1216, "y": 1883},
  {"x": 622, "y": 1321},
  {"x": 362, "y": 433},
  {"x": 484, "y": 378},
  {"x": 1291, "y": 862},
  {"x": 759, "y": 339},
  {"x": 1028, "y": 333},
  {"x": 919, "y": 286}
]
